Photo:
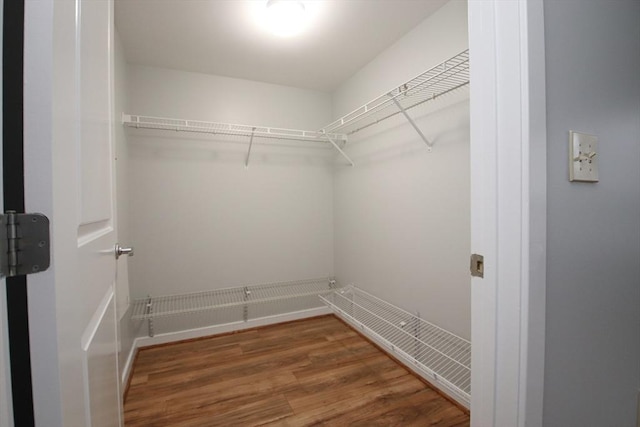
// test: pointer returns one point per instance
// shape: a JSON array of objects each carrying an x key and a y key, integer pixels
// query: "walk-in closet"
[{"x": 298, "y": 200}]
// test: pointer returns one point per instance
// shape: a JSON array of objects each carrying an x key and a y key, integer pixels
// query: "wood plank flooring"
[{"x": 312, "y": 372}]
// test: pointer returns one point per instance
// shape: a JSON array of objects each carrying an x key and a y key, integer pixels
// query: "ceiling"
[{"x": 222, "y": 37}]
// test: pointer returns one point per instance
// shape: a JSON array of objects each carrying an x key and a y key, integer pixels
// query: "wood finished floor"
[{"x": 312, "y": 372}]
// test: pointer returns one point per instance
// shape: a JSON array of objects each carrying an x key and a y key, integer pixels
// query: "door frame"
[
  {"x": 508, "y": 211},
  {"x": 16, "y": 390},
  {"x": 6, "y": 401},
  {"x": 39, "y": 160},
  {"x": 508, "y": 148}
]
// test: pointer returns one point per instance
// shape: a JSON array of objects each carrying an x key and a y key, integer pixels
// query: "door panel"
[
  {"x": 96, "y": 223},
  {"x": 72, "y": 180},
  {"x": 99, "y": 358},
  {"x": 96, "y": 205}
]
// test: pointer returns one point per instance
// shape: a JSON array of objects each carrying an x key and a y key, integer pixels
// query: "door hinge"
[
  {"x": 477, "y": 265},
  {"x": 24, "y": 243}
]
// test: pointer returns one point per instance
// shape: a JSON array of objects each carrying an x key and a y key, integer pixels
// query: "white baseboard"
[
  {"x": 142, "y": 342},
  {"x": 128, "y": 365}
]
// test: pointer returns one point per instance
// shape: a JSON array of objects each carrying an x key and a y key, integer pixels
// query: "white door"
[{"x": 69, "y": 161}]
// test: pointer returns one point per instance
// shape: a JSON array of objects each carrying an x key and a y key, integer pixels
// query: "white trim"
[
  {"x": 38, "y": 127},
  {"x": 6, "y": 400},
  {"x": 483, "y": 210},
  {"x": 128, "y": 365},
  {"x": 508, "y": 175},
  {"x": 86, "y": 387},
  {"x": 534, "y": 218},
  {"x": 96, "y": 319},
  {"x": 87, "y": 339},
  {"x": 98, "y": 353}
]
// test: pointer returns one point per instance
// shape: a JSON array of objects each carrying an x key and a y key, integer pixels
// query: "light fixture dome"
[{"x": 286, "y": 18}]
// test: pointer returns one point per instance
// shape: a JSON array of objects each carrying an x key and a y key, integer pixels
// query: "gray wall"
[{"x": 592, "y": 372}]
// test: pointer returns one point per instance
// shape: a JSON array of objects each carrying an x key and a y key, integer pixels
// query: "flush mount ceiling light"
[{"x": 286, "y": 18}]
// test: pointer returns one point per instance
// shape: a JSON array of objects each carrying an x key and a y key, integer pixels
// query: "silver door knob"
[{"x": 123, "y": 251}]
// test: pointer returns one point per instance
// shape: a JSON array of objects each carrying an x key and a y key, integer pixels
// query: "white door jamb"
[{"x": 508, "y": 218}]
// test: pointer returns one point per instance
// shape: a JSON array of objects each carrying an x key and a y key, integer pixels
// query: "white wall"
[
  {"x": 438, "y": 37},
  {"x": 402, "y": 219},
  {"x": 199, "y": 219},
  {"x": 592, "y": 363},
  {"x": 171, "y": 93}
]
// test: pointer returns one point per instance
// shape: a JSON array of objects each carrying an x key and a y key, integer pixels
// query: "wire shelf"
[
  {"x": 442, "y": 79},
  {"x": 157, "y": 307},
  {"x": 228, "y": 129},
  {"x": 444, "y": 357},
  {"x": 445, "y": 78}
]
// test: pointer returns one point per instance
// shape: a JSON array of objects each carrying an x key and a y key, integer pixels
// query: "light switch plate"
[{"x": 583, "y": 157}]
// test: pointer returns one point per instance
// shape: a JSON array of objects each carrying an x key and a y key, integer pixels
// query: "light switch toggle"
[{"x": 583, "y": 157}]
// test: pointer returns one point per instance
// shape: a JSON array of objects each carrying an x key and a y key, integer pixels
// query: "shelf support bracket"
[
  {"x": 246, "y": 160},
  {"x": 415, "y": 126},
  {"x": 149, "y": 315},
  {"x": 335, "y": 145}
]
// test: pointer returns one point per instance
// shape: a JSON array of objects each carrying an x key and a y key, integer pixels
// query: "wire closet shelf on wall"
[
  {"x": 228, "y": 129},
  {"x": 279, "y": 294},
  {"x": 440, "y": 356},
  {"x": 444, "y": 78}
]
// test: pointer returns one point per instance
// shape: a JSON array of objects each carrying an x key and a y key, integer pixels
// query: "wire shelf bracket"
[
  {"x": 246, "y": 161},
  {"x": 413, "y": 124},
  {"x": 446, "y": 77},
  {"x": 439, "y": 356},
  {"x": 337, "y": 147}
]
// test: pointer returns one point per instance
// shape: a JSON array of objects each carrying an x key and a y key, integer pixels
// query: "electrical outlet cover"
[{"x": 583, "y": 157}]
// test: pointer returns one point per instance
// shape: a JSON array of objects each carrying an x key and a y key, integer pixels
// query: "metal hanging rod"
[
  {"x": 413, "y": 124},
  {"x": 337, "y": 147},
  {"x": 246, "y": 161},
  {"x": 442, "y": 79}
]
